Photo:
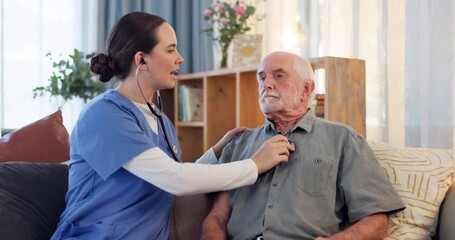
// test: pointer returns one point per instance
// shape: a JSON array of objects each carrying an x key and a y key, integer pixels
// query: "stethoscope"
[{"x": 158, "y": 113}]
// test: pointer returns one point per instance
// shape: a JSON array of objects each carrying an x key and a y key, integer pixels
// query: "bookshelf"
[
  {"x": 344, "y": 93},
  {"x": 230, "y": 99}
]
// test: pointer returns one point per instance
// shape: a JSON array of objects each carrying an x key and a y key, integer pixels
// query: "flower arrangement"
[{"x": 226, "y": 21}]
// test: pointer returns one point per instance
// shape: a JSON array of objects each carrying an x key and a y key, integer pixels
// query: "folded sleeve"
[
  {"x": 364, "y": 184},
  {"x": 108, "y": 136}
]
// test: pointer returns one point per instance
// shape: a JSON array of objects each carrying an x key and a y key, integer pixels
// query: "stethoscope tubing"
[{"x": 158, "y": 114}]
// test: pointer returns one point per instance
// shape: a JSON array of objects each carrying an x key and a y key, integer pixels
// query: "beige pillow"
[{"x": 421, "y": 177}]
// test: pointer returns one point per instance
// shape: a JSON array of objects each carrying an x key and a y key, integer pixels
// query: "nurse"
[{"x": 122, "y": 173}]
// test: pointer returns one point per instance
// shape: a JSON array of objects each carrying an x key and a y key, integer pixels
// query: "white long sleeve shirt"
[{"x": 156, "y": 167}]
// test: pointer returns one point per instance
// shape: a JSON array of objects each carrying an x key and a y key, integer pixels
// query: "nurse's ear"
[{"x": 139, "y": 59}]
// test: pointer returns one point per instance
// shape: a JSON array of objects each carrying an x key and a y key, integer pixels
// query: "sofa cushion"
[
  {"x": 45, "y": 140},
  {"x": 421, "y": 177},
  {"x": 32, "y": 197},
  {"x": 446, "y": 221}
]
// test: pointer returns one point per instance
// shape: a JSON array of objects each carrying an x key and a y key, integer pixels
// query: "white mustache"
[{"x": 269, "y": 94}]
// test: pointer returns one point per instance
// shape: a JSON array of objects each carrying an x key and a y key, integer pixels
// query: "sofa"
[{"x": 33, "y": 184}]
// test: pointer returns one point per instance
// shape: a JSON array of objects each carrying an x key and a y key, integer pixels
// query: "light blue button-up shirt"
[{"x": 331, "y": 180}]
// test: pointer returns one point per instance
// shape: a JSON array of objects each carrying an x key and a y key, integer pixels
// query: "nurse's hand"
[
  {"x": 218, "y": 148},
  {"x": 274, "y": 151}
]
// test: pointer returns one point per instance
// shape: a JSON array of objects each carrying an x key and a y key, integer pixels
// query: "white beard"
[
  {"x": 268, "y": 107},
  {"x": 279, "y": 103}
]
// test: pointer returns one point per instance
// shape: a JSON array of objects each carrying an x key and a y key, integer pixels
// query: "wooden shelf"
[
  {"x": 230, "y": 99},
  {"x": 344, "y": 97},
  {"x": 190, "y": 124}
]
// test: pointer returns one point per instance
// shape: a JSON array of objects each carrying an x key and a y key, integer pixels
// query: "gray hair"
[{"x": 303, "y": 68}]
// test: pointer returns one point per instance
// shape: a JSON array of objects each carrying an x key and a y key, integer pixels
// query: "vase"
[
  {"x": 221, "y": 56},
  {"x": 224, "y": 56}
]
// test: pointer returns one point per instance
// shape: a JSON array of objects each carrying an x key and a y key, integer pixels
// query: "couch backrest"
[{"x": 32, "y": 197}]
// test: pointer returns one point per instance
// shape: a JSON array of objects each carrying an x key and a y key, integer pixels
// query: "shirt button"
[
  {"x": 275, "y": 184},
  {"x": 270, "y": 206}
]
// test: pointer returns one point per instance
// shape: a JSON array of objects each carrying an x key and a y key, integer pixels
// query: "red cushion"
[{"x": 45, "y": 140}]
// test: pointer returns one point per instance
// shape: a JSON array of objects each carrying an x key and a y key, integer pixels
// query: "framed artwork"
[{"x": 246, "y": 50}]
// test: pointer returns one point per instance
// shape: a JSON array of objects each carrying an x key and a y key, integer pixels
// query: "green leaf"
[{"x": 71, "y": 78}]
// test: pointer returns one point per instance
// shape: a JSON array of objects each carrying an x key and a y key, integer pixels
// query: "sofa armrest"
[
  {"x": 187, "y": 215},
  {"x": 446, "y": 222}
]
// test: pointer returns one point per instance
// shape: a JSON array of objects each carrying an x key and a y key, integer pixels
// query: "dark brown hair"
[{"x": 134, "y": 32}]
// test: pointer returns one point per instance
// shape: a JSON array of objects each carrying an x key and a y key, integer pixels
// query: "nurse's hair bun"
[{"x": 104, "y": 66}]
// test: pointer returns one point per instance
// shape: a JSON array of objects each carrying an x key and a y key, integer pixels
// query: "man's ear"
[
  {"x": 307, "y": 90},
  {"x": 309, "y": 87}
]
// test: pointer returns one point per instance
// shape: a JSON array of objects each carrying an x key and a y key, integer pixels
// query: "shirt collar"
[{"x": 305, "y": 122}]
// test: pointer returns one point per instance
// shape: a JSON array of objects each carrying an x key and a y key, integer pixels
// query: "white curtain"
[
  {"x": 408, "y": 47},
  {"x": 429, "y": 72},
  {"x": 30, "y": 29},
  {"x": 358, "y": 29}
]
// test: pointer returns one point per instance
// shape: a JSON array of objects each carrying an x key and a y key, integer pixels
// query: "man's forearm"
[
  {"x": 214, "y": 228},
  {"x": 215, "y": 224},
  {"x": 369, "y": 228}
]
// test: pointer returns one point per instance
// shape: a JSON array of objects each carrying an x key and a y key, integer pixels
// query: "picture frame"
[{"x": 247, "y": 49}]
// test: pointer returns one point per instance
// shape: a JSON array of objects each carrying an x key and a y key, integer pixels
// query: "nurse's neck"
[{"x": 129, "y": 88}]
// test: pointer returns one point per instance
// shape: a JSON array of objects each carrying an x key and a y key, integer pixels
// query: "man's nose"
[{"x": 268, "y": 83}]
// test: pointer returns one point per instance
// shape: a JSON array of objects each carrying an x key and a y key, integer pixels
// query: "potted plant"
[{"x": 71, "y": 79}]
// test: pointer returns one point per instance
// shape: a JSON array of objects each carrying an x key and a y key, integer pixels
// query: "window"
[{"x": 29, "y": 30}]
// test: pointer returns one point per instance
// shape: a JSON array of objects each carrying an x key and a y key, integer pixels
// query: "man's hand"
[
  {"x": 272, "y": 152},
  {"x": 373, "y": 227}
]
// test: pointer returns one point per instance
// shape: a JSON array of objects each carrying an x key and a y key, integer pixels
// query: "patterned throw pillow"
[{"x": 421, "y": 177}]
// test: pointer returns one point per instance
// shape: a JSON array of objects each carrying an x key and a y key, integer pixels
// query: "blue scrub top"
[{"x": 105, "y": 201}]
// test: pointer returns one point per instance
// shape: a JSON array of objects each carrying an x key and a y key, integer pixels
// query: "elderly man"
[{"x": 332, "y": 187}]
